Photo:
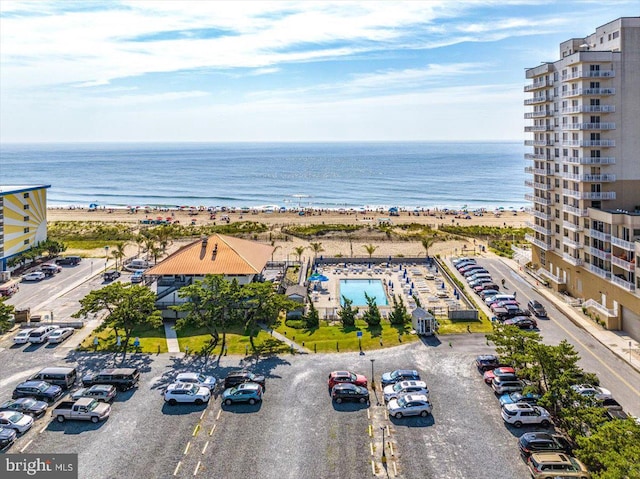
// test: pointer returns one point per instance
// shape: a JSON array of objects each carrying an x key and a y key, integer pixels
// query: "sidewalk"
[
  {"x": 297, "y": 348},
  {"x": 172, "y": 338},
  {"x": 618, "y": 342}
]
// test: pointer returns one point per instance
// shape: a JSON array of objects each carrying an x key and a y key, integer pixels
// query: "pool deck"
[{"x": 424, "y": 282}]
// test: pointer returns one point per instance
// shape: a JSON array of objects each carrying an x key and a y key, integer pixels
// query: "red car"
[
  {"x": 341, "y": 377},
  {"x": 502, "y": 372}
]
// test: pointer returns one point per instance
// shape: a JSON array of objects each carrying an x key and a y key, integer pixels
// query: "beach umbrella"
[
  {"x": 411, "y": 292},
  {"x": 318, "y": 277},
  {"x": 443, "y": 285},
  {"x": 412, "y": 285},
  {"x": 408, "y": 280},
  {"x": 93, "y": 206}
]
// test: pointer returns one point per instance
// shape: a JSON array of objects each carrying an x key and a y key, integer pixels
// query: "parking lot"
[{"x": 296, "y": 432}]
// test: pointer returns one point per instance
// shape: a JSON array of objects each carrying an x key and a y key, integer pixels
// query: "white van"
[{"x": 41, "y": 334}]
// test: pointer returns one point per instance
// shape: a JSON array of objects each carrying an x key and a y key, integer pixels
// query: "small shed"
[
  {"x": 296, "y": 293},
  {"x": 423, "y": 322}
]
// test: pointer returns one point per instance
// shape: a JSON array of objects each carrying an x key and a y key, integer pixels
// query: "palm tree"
[
  {"x": 427, "y": 242},
  {"x": 316, "y": 248},
  {"x": 118, "y": 252},
  {"x": 370, "y": 249},
  {"x": 139, "y": 239},
  {"x": 299, "y": 250}
]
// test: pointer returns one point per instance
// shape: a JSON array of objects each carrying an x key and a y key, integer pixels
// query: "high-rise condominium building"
[{"x": 585, "y": 171}]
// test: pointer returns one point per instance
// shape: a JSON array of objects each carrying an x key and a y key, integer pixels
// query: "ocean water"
[{"x": 321, "y": 175}]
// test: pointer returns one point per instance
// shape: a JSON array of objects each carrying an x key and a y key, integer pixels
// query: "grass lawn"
[
  {"x": 237, "y": 341},
  {"x": 447, "y": 326},
  {"x": 324, "y": 338},
  {"x": 150, "y": 340}
]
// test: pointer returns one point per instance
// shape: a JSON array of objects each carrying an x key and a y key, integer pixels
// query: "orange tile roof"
[{"x": 220, "y": 254}]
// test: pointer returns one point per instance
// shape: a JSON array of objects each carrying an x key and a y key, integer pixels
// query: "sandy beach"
[{"x": 331, "y": 246}]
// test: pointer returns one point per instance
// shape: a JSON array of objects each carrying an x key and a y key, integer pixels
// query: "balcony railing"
[
  {"x": 571, "y": 243},
  {"x": 589, "y": 109},
  {"x": 538, "y": 99},
  {"x": 593, "y": 304},
  {"x": 588, "y": 91},
  {"x": 539, "y": 142},
  {"x": 599, "y": 271},
  {"x": 551, "y": 276},
  {"x": 589, "y": 74},
  {"x": 537, "y": 85},
  {"x": 590, "y": 195},
  {"x": 538, "y": 199},
  {"x": 624, "y": 264},
  {"x": 600, "y": 235},
  {"x": 533, "y": 156},
  {"x": 620, "y": 243},
  {"x": 587, "y": 126},
  {"x": 584, "y": 143},
  {"x": 541, "y": 215},
  {"x": 538, "y": 114},
  {"x": 536, "y": 171},
  {"x": 571, "y": 226},
  {"x": 574, "y": 211},
  {"x": 599, "y": 253},
  {"x": 538, "y": 128},
  {"x": 589, "y": 178},
  {"x": 539, "y": 186},
  {"x": 582, "y": 160},
  {"x": 540, "y": 229},
  {"x": 623, "y": 283},
  {"x": 571, "y": 259},
  {"x": 540, "y": 244}
]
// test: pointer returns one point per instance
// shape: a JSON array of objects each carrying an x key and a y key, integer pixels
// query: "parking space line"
[
  {"x": 202, "y": 415},
  {"x": 195, "y": 472},
  {"x": 370, "y": 429},
  {"x": 212, "y": 429},
  {"x": 26, "y": 445},
  {"x": 44, "y": 428},
  {"x": 395, "y": 469},
  {"x": 368, "y": 414},
  {"x": 388, "y": 431},
  {"x": 186, "y": 449},
  {"x": 391, "y": 448},
  {"x": 206, "y": 445},
  {"x": 371, "y": 447},
  {"x": 175, "y": 471},
  {"x": 373, "y": 467},
  {"x": 196, "y": 429},
  {"x": 219, "y": 412}
]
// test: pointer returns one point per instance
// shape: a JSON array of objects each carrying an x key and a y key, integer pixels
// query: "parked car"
[
  {"x": 16, "y": 420},
  {"x": 486, "y": 362},
  {"x": 471, "y": 267},
  {"x": 393, "y": 391},
  {"x": 186, "y": 393},
  {"x": 463, "y": 259},
  {"x": 520, "y": 414},
  {"x": 84, "y": 409},
  {"x": 409, "y": 405},
  {"x": 196, "y": 378},
  {"x": 137, "y": 277},
  {"x": 595, "y": 392},
  {"x": 502, "y": 371},
  {"x": 479, "y": 282},
  {"x": 537, "y": 309},
  {"x": 608, "y": 403},
  {"x": 487, "y": 293},
  {"x": 100, "y": 392},
  {"x": 41, "y": 334},
  {"x": 245, "y": 392},
  {"x": 111, "y": 275},
  {"x": 238, "y": 377},
  {"x": 50, "y": 269},
  {"x": 545, "y": 465},
  {"x": 60, "y": 335},
  {"x": 522, "y": 322},
  {"x": 502, "y": 385},
  {"x": 349, "y": 392},
  {"x": 400, "y": 375},
  {"x": 470, "y": 272},
  {"x": 23, "y": 336},
  {"x": 121, "y": 378},
  {"x": 515, "y": 397},
  {"x": 25, "y": 405},
  {"x": 338, "y": 377},
  {"x": 490, "y": 288},
  {"x": 34, "y": 276},
  {"x": 7, "y": 437},
  {"x": 40, "y": 390},
  {"x": 532, "y": 442},
  {"x": 69, "y": 260}
]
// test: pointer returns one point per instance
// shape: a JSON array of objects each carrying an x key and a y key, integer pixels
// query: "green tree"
[
  {"x": 118, "y": 252},
  {"x": 6, "y": 315},
  {"x": 399, "y": 315},
  {"x": 128, "y": 307},
  {"x": 514, "y": 347},
  {"x": 427, "y": 242},
  {"x": 372, "y": 315},
  {"x": 312, "y": 318},
  {"x": 316, "y": 248},
  {"x": 347, "y": 313},
  {"x": 370, "y": 249},
  {"x": 298, "y": 250},
  {"x": 612, "y": 451}
]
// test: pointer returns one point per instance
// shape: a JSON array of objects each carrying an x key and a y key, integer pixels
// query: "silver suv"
[
  {"x": 519, "y": 414},
  {"x": 393, "y": 391}
]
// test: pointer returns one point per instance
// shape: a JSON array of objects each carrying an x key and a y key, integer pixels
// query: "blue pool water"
[{"x": 354, "y": 289}]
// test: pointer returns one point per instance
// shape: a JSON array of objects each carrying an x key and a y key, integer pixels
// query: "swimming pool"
[{"x": 354, "y": 289}]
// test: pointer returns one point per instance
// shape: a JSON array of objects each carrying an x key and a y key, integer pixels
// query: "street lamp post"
[
  {"x": 384, "y": 454},
  {"x": 106, "y": 257},
  {"x": 373, "y": 378}
]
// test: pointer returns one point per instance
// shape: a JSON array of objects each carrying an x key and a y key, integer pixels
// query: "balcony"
[
  {"x": 538, "y": 199},
  {"x": 538, "y": 114},
  {"x": 623, "y": 283},
  {"x": 539, "y": 186},
  {"x": 540, "y": 215},
  {"x": 538, "y": 128},
  {"x": 624, "y": 264},
  {"x": 536, "y": 171},
  {"x": 588, "y": 126},
  {"x": 540, "y": 229},
  {"x": 598, "y": 253},
  {"x": 533, "y": 156},
  {"x": 571, "y": 226},
  {"x": 574, "y": 211},
  {"x": 593, "y": 304},
  {"x": 551, "y": 276},
  {"x": 590, "y": 195},
  {"x": 581, "y": 160},
  {"x": 600, "y": 235},
  {"x": 599, "y": 271},
  {"x": 585, "y": 143},
  {"x": 620, "y": 243},
  {"x": 589, "y": 109},
  {"x": 571, "y": 243},
  {"x": 589, "y": 178},
  {"x": 539, "y": 243},
  {"x": 589, "y": 74},
  {"x": 571, "y": 259},
  {"x": 538, "y": 99},
  {"x": 539, "y": 142},
  {"x": 589, "y": 92},
  {"x": 536, "y": 85}
]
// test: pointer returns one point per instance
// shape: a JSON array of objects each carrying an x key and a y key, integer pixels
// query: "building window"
[
  {"x": 26, "y": 195},
  {"x": 26, "y": 207},
  {"x": 615, "y": 35},
  {"x": 26, "y": 230},
  {"x": 26, "y": 241},
  {"x": 26, "y": 218}
]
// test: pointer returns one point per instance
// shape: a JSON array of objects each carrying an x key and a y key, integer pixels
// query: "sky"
[{"x": 215, "y": 71}]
